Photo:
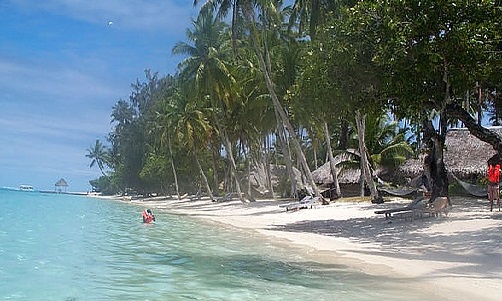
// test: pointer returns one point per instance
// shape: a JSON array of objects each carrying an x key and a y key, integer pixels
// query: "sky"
[{"x": 63, "y": 66}]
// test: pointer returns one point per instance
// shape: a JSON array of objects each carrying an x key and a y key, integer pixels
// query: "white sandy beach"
[{"x": 458, "y": 257}]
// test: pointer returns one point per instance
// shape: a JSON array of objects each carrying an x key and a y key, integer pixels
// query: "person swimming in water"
[{"x": 148, "y": 216}]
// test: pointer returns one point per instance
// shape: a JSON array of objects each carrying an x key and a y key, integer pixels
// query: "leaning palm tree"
[
  {"x": 192, "y": 130},
  {"x": 206, "y": 69},
  {"x": 366, "y": 175},
  {"x": 98, "y": 155},
  {"x": 382, "y": 145},
  {"x": 164, "y": 124},
  {"x": 267, "y": 12}
]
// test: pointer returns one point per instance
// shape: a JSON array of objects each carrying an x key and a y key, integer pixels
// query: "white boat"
[{"x": 26, "y": 188}]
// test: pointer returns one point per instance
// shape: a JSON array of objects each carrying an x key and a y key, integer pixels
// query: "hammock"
[
  {"x": 472, "y": 189},
  {"x": 398, "y": 191}
]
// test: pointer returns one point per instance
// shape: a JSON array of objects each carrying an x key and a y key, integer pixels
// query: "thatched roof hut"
[
  {"x": 347, "y": 175},
  {"x": 61, "y": 184},
  {"x": 465, "y": 155},
  {"x": 322, "y": 175}
]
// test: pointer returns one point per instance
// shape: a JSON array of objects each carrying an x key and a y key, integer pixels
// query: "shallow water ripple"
[{"x": 77, "y": 248}]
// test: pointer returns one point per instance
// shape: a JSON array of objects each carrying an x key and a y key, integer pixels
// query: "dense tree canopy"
[{"x": 281, "y": 86}]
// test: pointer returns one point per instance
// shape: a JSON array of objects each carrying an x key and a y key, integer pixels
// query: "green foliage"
[
  {"x": 154, "y": 172},
  {"x": 106, "y": 185},
  {"x": 98, "y": 155},
  {"x": 432, "y": 51},
  {"x": 386, "y": 142},
  {"x": 131, "y": 140},
  {"x": 409, "y": 58}
]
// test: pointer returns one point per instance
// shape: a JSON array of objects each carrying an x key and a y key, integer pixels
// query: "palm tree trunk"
[
  {"x": 216, "y": 181},
  {"x": 332, "y": 166},
  {"x": 173, "y": 167},
  {"x": 266, "y": 71},
  {"x": 344, "y": 134},
  {"x": 315, "y": 156},
  {"x": 365, "y": 167},
  {"x": 287, "y": 156},
  {"x": 270, "y": 185},
  {"x": 204, "y": 178},
  {"x": 249, "y": 177},
  {"x": 233, "y": 166},
  {"x": 285, "y": 121},
  {"x": 249, "y": 193}
]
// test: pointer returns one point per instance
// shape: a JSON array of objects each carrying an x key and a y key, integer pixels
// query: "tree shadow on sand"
[{"x": 409, "y": 240}]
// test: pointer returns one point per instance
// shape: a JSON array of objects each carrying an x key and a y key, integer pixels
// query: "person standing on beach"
[{"x": 493, "y": 183}]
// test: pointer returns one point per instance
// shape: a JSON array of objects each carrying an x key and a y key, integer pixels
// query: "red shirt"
[{"x": 494, "y": 173}]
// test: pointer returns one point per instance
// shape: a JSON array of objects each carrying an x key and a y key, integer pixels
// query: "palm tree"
[
  {"x": 98, "y": 155},
  {"x": 204, "y": 63},
  {"x": 386, "y": 142},
  {"x": 206, "y": 67},
  {"x": 382, "y": 144},
  {"x": 192, "y": 130},
  {"x": 267, "y": 11},
  {"x": 312, "y": 13},
  {"x": 164, "y": 123},
  {"x": 366, "y": 174}
]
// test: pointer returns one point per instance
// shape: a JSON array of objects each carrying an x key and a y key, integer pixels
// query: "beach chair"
[
  {"x": 227, "y": 197},
  {"x": 196, "y": 197},
  {"x": 307, "y": 202},
  {"x": 404, "y": 211}
]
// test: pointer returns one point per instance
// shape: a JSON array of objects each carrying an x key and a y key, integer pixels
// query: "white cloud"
[
  {"x": 58, "y": 82},
  {"x": 172, "y": 16},
  {"x": 57, "y": 87},
  {"x": 50, "y": 116},
  {"x": 38, "y": 149}
]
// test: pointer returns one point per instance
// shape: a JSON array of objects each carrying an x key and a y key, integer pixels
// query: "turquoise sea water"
[{"x": 62, "y": 247}]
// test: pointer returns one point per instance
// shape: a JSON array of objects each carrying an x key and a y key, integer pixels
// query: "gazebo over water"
[{"x": 61, "y": 185}]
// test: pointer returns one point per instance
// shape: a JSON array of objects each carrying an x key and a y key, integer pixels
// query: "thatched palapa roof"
[
  {"x": 61, "y": 183},
  {"x": 465, "y": 155},
  {"x": 322, "y": 175}
]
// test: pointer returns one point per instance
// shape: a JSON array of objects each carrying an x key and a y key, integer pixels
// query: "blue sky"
[{"x": 63, "y": 65}]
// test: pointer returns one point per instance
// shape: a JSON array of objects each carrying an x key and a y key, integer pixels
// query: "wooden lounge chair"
[
  {"x": 307, "y": 202},
  {"x": 418, "y": 203},
  {"x": 227, "y": 197}
]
